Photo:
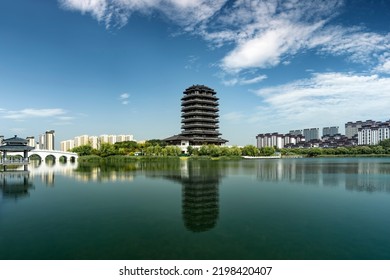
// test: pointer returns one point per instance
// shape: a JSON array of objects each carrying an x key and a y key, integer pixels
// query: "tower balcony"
[
  {"x": 197, "y": 119},
  {"x": 200, "y": 132},
  {"x": 200, "y": 96},
  {"x": 199, "y": 101},
  {"x": 199, "y": 107},
  {"x": 200, "y": 114},
  {"x": 199, "y": 125}
]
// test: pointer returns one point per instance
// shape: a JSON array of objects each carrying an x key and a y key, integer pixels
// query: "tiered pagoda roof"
[{"x": 199, "y": 107}]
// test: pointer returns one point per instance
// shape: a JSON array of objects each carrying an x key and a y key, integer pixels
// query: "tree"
[
  {"x": 106, "y": 149},
  {"x": 267, "y": 151},
  {"x": 155, "y": 142},
  {"x": 190, "y": 150},
  {"x": 385, "y": 143},
  {"x": 342, "y": 151},
  {"x": 235, "y": 151},
  {"x": 84, "y": 150},
  {"x": 250, "y": 150},
  {"x": 204, "y": 151},
  {"x": 313, "y": 152},
  {"x": 126, "y": 147}
]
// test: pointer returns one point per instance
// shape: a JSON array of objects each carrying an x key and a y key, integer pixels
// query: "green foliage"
[
  {"x": 190, "y": 150},
  {"x": 250, "y": 150},
  {"x": 107, "y": 149},
  {"x": 267, "y": 151},
  {"x": 385, "y": 144},
  {"x": 313, "y": 152},
  {"x": 155, "y": 142},
  {"x": 84, "y": 150}
]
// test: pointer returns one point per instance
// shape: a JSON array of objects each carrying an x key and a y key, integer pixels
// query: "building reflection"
[
  {"x": 353, "y": 176},
  {"x": 15, "y": 184},
  {"x": 200, "y": 193},
  {"x": 48, "y": 172}
]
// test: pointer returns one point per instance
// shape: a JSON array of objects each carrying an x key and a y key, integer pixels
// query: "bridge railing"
[{"x": 17, "y": 161}]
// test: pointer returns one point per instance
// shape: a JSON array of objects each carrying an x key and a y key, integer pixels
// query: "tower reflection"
[{"x": 200, "y": 193}]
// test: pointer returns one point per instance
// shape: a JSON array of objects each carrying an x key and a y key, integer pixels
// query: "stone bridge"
[{"x": 43, "y": 154}]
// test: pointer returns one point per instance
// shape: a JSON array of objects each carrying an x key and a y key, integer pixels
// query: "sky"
[{"x": 120, "y": 67}]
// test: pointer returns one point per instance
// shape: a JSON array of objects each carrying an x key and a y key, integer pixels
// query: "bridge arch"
[
  {"x": 63, "y": 159},
  {"x": 49, "y": 157},
  {"x": 54, "y": 154},
  {"x": 34, "y": 156}
]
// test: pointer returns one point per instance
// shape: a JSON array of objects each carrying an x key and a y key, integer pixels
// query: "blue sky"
[{"x": 120, "y": 67}]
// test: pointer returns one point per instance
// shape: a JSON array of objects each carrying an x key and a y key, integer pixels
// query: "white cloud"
[
  {"x": 244, "y": 81},
  {"x": 124, "y": 98},
  {"x": 358, "y": 45},
  {"x": 234, "y": 116},
  {"x": 185, "y": 12},
  {"x": 384, "y": 64},
  {"x": 260, "y": 33},
  {"x": 267, "y": 49},
  {"x": 324, "y": 99},
  {"x": 33, "y": 113}
]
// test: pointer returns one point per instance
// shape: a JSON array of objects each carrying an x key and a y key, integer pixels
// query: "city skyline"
[{"x": 96, "y": 67}]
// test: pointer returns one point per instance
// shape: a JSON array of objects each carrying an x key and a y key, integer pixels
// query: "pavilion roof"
[
  {"x": 15, "y": 141},
  {"x": 15, "y": 144}
]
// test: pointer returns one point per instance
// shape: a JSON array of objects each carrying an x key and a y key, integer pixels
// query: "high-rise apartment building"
[
  {"x": 94, "y": 141},
  {"x": 374, "y": 133},
  {"x": 278, "y": 140},
  {"x": 311, "y": 134},
  {"x": 46, "y": 140},
  {"x": 67, "y": 145},
  {"x": 352, "y": 128},
  {"x": 31, "y": 141},
  {"x": 81, "y": 140},
  {"x": 49, "y": 140},
  {"x": 330, "y": 131},
  {"x": 296, "y": 132}
]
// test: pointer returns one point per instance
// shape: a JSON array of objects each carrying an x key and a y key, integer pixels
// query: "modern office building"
[
  {"x": 330, "y": 131},
  {"x": 199, "y": 109}
]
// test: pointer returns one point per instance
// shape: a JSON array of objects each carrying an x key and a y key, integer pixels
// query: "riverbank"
[{"x": 125, "y": 159}]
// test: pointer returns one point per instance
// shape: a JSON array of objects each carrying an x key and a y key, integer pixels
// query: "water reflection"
[
  {"x": 368, "y": 175},
  {"x": 200, "y": 183},
  {"x": 200, "y": 196},
  {"x": 15, "y": 184}
]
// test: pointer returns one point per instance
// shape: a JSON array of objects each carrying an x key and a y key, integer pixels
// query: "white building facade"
[
  {"x": 374, "y": 134},
  {"x": 94, "y": 141},
  {"x": 277, "y": 140}
]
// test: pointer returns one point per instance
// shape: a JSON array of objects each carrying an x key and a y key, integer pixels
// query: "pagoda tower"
[{"x": 199, "y": 108}]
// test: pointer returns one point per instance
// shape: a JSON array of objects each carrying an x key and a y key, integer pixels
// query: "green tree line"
[
  {"x": 381, "y": 149},
  {"x": 159, "y": 148}
]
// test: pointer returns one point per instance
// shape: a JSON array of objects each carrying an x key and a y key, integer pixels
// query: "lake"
[{"x": 320, "y": 208}]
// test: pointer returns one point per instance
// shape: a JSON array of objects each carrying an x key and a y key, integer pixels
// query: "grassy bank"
[{"x": 127, "y": 159}]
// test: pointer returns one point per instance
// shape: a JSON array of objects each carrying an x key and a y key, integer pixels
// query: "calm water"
[{"x": 182, "y": 209}]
